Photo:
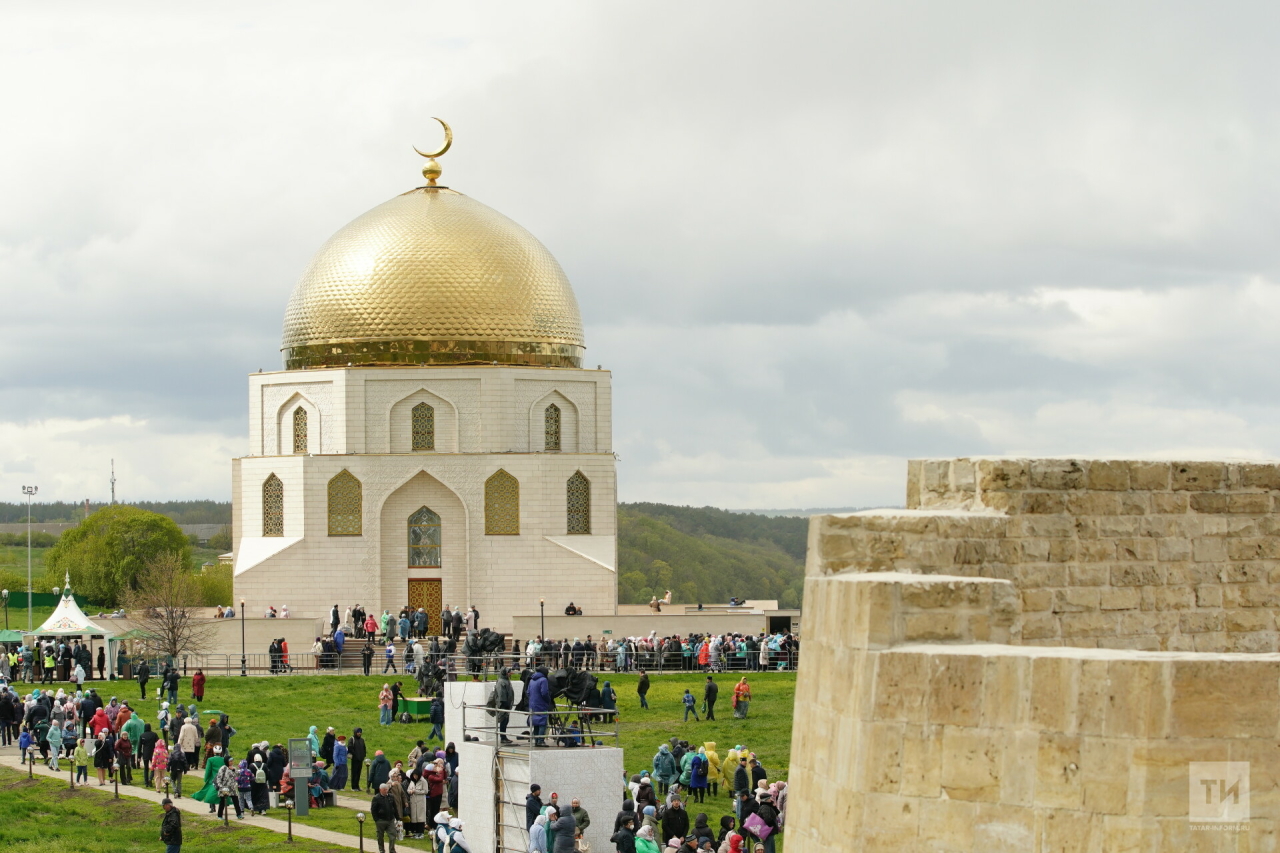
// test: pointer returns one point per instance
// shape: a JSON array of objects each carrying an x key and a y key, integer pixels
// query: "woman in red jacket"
[
  {"x": 197, "y": 685},
  {"x": 436, "y": 778}
]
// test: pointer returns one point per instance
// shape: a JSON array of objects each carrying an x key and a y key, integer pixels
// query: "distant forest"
[
  {"x": 699, "y": 553},
  {"x": 183, "y": 512}
]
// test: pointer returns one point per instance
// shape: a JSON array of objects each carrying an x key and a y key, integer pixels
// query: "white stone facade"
[{"x": 487, "y": 418}]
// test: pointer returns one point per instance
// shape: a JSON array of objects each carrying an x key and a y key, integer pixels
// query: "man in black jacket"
[
  {"x": 356, "y": 751},
  {"x": 143, "y": 674},
  {"x": 385, "y": 813},
  {"x": 741, "y": 784},
  {"x": 628, "y": 813},
  {"x": 532, "y": 806},
  {"x": 642, "y": 688},
  {"x": 675, "y": 823},
  {"x": 709, "y": 694},
  {"x": 171, "y": 827}
]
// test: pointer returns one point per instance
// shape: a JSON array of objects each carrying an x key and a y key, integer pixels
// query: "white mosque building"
[{"x": 434, "y": 438}]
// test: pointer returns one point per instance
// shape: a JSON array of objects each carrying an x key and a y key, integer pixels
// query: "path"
[{"x": 9, "y": 758}]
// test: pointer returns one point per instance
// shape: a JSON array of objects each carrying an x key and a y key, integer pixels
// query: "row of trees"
[{"x": 183, "y": 512}]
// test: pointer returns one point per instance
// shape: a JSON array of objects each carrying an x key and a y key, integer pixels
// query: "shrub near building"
[{"x": 105, "y": 553}]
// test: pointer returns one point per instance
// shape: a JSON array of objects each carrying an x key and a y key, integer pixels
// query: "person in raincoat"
[
  {"x": 209, "y": 793},
  {"x": 645, "y": 842},
  {"x": 314, "y": 740},
  {"x": 609, "y": 701},
  {"x": 665, "y": 770},
  {"x": 538, "y": 835},
  {"x": 713, "y": 767},
  {"x": 728, "y": 768}
]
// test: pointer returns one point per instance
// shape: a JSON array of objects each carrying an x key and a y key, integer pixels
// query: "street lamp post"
[
  {"x": 542, "y": 607},
  {"x": 360, "y": 818},
  {"x": 243, "y": 671},
  {"x": 4, "y": 593},
  {"x": 30, "y": 492}
]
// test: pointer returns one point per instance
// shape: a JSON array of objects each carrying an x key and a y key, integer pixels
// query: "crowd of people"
[{"x": 706, "y": 652}]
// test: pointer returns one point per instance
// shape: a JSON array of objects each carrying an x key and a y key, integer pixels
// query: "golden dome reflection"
[{"x": 432, "y": 277}]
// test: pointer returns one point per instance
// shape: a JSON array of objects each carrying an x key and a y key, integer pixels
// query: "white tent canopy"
[{"x": 68, "y": 620}]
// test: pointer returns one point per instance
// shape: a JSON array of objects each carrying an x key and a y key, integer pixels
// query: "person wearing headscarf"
[
  {"x": 552, "y": 814},
  {"x": 209, "y": 793},
  {"x": 159, "y": 764},
  {"x": 565, "y": 831},
  {"x": 314, "y": 740},
  {"x": 649, "y": 819},
  {"x": 326, "y": 747},
  {"x": 339, "y": 758},
  {"x": 714, "y": 772},
  {"x": 645, "y": 840},
  {"x": 726, "y": 828},
  {"x": 538, "y": 835},
  {"x": 741, "y": 698},
  {"x": 259, "y": 789}
]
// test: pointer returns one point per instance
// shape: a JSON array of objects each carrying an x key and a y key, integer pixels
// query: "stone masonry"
[{"x": 1032, "y": 655}]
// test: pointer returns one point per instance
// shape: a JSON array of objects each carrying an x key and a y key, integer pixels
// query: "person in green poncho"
[{"x": 209, "y": 793}]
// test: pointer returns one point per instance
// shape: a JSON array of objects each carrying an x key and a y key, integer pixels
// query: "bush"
[
  {"x": 215, "y": 585},
  {"x": 38, "y": 539},
  {"x": 221, "y": 541},
  {"x": 105, "y": 553}
]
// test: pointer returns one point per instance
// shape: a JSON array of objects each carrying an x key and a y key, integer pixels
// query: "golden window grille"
[
  {"x": 578, "y": 494},
  {"x": 272, "y": 507},
  {"x": 551, "y": 427},
  {"x": 423, "y": 419},
  {"x": 345, "y": 505},
  {"x": 502, "y": 505},
  {"x": 299, "y": 430},
  {"x": 424, "y": 540}
]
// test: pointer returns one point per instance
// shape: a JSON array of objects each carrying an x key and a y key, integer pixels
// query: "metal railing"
[
  {"x": 568, "y": 727},
  {"x": 460, "y": 665}
]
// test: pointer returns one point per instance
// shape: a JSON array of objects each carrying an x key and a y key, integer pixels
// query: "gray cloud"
[{"x": 809, "y": 239}]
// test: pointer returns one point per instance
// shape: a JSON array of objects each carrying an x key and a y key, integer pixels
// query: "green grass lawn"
[
  {"x": 275, "y": 709},
  {"x": 42, "y": 814}
]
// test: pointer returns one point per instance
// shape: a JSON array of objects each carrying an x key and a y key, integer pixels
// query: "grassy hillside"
[{"x": 707, "y": 554}]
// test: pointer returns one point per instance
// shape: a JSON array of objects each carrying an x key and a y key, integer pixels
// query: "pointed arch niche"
[
  {"x": 501, "y": 505},
  {"x": 578, "y": 504},
  {"x": 398, "y": 513},
  {"x": 542, "y": 417},
  {"x": 405, "y": 421},
  {"x": 272, "y": 506},
  {"x": 297, "y": 427},
  {"x": 346, "y": 505}
]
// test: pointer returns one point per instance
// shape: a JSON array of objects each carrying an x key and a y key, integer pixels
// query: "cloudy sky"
[{"x": 810, "y": 240}]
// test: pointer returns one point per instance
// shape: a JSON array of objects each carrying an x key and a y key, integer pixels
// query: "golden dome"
[{"x": 432, "y": 277}]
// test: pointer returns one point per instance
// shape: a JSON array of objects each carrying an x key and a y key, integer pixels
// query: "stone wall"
[
  {"x": 1174, "y": 556},
  {"x": 1031, "y": 656}
]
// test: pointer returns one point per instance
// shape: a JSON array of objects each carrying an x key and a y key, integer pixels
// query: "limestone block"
[
  {"x": 1002, "y": 828},
  {"x": 915, "y": 474},
  {"x": 1036, "y": 600},
  {"x": 1075, "y": 625},
  {"x": 1257, "y": 475},
  {"x": 1169, "y": 502},
  {"x": 1209, "y": 502},
  {"x": 1104, "y": 768},
  {"x": 1071, "y": 832},
  {"x": 1002, "y": 475},
  {"x": 1198, "y": 476},
  {"x": 1174, "y": 597},
  {"x": 1137, "y": 703},
  {"x": 1251, "y": 504},
  {"x": 1256, "y": 619},
  {"x": 1124, "y": 834},
  {"x": 1245, "y": 573},
  {"x": 1045, "y": 526},
  {"x": 1225, "y": 698},
  {"x": 1057, "y": 474},
  {"x": 1136, "y": 574},
  {"x": 1095, "y": 688},
  {"x": 964, "y": 476},
  {"x": 1173, "y": 550},
  {"x": 1062, "y": 550},
  {"x": 955, "y": 690},
  {"x": 1035, "y": 550},
  {"x": 1059, "y": 782},
  {"x": 1202, "y": 622},
  {"x": 921, "y": 761},
  {"x": 1119, "y": 598},
  {"x": 1053, "y": 693},
  {"x": 1208, "y": 595},
  {"x": 883, "y": 757},
  {"x": 1161, "y": 767},
  {"x": 1108, "y": 475},
  {"x": 1250, "y": 595},
  {"x": 889, "y": 823},
  {"x": 1043, "y": 503},
  {"x": 1255, "y": 643},
  {"x": 947, "y": 824},
  {"x": 1149, "y": 476},
  {"x": 936, "y": 627},
  {"x": 1253, "y": 548},
  {"x": 1140, "y": 550},
  {"x": 971, "y": 764},
  {"x": 1094, "y": 503},
  {"x": 1075, "y": 599},
  {"x": 1040, "y": 576},
  {"x": 901, "y": 681},
  {"x": 1096, "y": 550},
  {"x": 1009, "y": 503},
  {"x": 1040, "y": 626},
  {"x": 1088, "y": 575}
]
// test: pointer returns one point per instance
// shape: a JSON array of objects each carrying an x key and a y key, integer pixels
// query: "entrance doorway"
[{"x": 428, "y": 594}]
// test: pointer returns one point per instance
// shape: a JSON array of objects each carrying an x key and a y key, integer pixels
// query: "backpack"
[{"x": 261, "y": 775}]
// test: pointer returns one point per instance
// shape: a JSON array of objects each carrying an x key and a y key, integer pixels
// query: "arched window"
[
  {"x": 299, "y": 430},
  {"x": 502, "y": 505},
  {"x": 424, "y": 540},
  {"x": 578, "y": 495},
  {"x": 272, "y": 506},
  {"x": 551, "y": 427},
  {"x": 423, "y": 419},
  {"x": 345, "y": 505}
]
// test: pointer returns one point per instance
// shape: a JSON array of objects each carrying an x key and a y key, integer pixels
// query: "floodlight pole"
[
  {"x": 30, "y": 492},
  {"x": 243, "y": 672}
]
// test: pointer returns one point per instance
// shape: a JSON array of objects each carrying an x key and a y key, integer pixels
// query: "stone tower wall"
[{"x": 1175, "y": 556}]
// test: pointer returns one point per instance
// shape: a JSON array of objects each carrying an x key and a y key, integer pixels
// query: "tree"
[
  {"x": 221, "y": 541},
  {"x": 164, "y": 606},
  {"x": 106, "y": 552}
]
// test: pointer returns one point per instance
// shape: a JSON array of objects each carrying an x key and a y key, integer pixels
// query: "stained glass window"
[
  {"x": 424, "y": 427},
  {"x": 345, "y": 504},
  {"x": 578, "y": 493},
  {"x": 551, "y": 424},
  {"x": 299, "y": 430},
  {"x": 502, "y": 505},
  {"x": 272, "y": 506},
  {"x": 424, "y": 540}
]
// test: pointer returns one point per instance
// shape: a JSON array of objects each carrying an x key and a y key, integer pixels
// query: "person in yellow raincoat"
[
  {"x": 727, "y": 769},
  {"x": 714, "y": 773}
]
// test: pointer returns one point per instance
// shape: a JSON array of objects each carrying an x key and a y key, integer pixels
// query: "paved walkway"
[{"x": 9, "y": 758}]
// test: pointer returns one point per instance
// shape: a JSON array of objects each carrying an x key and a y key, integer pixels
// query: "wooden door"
[{"x": 428, "y": 593}]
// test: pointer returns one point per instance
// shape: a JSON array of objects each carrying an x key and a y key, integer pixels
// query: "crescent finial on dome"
[{"x": 432, "y": 170}]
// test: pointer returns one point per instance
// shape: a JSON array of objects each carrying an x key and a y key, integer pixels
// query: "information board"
[{"x": 300, "y": 766}]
